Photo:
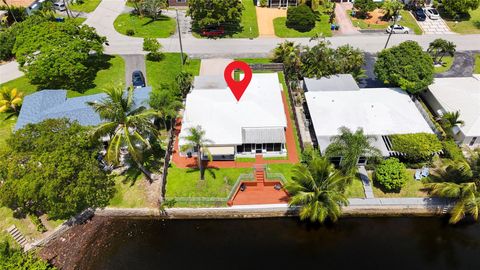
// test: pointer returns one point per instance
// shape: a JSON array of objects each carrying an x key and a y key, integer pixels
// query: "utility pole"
[
  {"x": 180, "y": 38},
  {"x": 391, "y": 30},
  {"x": 9, "y": 9}
]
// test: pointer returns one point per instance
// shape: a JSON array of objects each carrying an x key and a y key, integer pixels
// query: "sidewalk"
[
  {"x": 367, "y": 183},
  {"x": 9, "y": 71}
]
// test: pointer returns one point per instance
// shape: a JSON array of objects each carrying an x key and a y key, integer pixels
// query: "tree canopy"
[
  {"x": 456, "y": 7},
  {"x": 208, "y": 13},
  {"x": 52, "y": 167},
  {"x": 13, "y": 258},
  {"x": 406, "y": 66},
  {"x": 363, "y": 7}
]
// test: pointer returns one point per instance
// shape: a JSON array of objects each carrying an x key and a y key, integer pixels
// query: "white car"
[
  {"x": 432, "y": 13},
  {"x": 398, "y": 29}
]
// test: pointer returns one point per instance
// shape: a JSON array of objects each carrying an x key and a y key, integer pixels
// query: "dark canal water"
[{"x": 353, "y": 243}]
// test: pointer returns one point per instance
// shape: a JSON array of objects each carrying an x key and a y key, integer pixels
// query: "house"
[
  {"x": 48, "y": 104},
  {"x": 458, "y": 94},
  {"x": 29, "y": 5},
  {"x": 254, "y": 125},
  {"x": 380, "y": 112}
]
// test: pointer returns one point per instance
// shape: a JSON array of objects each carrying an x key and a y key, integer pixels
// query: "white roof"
[
  {"x": 460, "y": 94},
  {"x": 223, "y": 118},
  {"x": 339, "y": 82},
  {"x": 379, "y": 111}
]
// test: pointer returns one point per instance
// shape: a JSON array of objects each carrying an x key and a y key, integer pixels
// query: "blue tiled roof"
[{"x": 48, "y": 104}]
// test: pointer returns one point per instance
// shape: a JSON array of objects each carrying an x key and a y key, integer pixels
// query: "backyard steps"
[{"x": 17, "y": 236}]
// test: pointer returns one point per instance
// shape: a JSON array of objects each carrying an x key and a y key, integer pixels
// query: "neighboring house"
[
  {"x": 48, "y": 104},
  {"x": 254, "y": 125},
  {"x": 29, "y": 5},
  {"x": 380, "y": 112},
  {"x": 458, "y": 94}
]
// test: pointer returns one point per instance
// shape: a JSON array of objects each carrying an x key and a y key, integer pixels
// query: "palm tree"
[
  {"x": 166, "y": 103},
  {"x": 439, "y": 48},
  {"x": 10, "y": 100},
  {"x": 467, "y": 198},
  {"x": 450, "y": 120},
  {"x": 390, "y": 8},
  {"x": 350, "y": 147},
  {"x": 128, "y": 127},
  {"x": 288, "y": 53},
  {"x": 196, "y": 140},
  {"x": 318, "y": 188},
  {"x": 184, "y": 82}
]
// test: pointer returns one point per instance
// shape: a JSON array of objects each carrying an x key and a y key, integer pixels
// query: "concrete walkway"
[
  {"x": 342, "y": 19},
  {"x": 9, "y": 71},
  {"x": 134, "y": 62},
  {"x": 367, "y": 184}
]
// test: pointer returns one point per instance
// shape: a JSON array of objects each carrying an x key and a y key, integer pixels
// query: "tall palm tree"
[
  {"x": 128, "y": 127},
  {"x": 350, "y": 147},
  {"x": 318, "y": 188},
  {"x": 196, "y": 140},
  {"x": 10, "y": 100},
  {"x": 450, "y": 120},
  {"x": 467, "y": 198},
  {"x": 439, "y": 48},
  {"x": 288, "y": 53},
  {"x": 166, "y": 103}
]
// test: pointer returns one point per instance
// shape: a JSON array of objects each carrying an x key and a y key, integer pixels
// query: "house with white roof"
[
  {"x": 254, "y": 125},
  {"x": 458, "y": 94},
  {"x": 380, "y": 112}
]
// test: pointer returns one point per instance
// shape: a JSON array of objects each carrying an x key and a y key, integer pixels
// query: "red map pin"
[{"x": 238, "y": 87}]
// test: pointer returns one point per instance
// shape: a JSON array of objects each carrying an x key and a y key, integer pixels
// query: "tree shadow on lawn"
[
  {"x": 160, "y": 18},
  {"x": 94, "y": 65}
]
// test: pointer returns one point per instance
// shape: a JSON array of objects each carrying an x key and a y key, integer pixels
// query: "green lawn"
[
  {"x": 86, "y": 6},
  {"x": 255, "y": 60},
  {"x": 321, "y": 27},
  {"x": 477, "y": 64},
  {"x": 469, "y": 25},
  {"x": 6, "y": 127},
  {"x": 145, "y": 27},
  {"x": 249, "y": 21},
  {"x": 283, "y": 168},
  {"x": 165, "y": 70},
  {"x": 407, "y": 20},
  {"x": 22, "y": 84},
  {"x": 355, "y": 190},
  {"x": 128, "y": 194},
  {"x": 447, "y": 64},
  {"x": 412, "y": 188}
]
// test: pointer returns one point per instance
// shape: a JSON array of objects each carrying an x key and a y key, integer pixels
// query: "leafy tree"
[
  {"x": 57, "y": 55},
  {"x": 417, "y": 147},
  {"x": 196, "y": 141},
  {"x": 153, "y": 8},
  {"x": 300, "y": 18},
  {"x": 439, "y": 48},
  {"x": 288, "y": 53},
  {"x": 450, "y": 120},
  {"x": 137, "y": 6},
  {"x": 184, "y": 82},
  {"x": 350, "y": 147},
  {"x": 129, "y": 127},
  {"x": 363, "y": 7},
  {"x": 456, "y": 7},
  {"x": 390, "y": 8},
  {"x": 214, "y": 13},
  {"x": 10, "y": 100},
  {"x": 166, "y": 102},
  {"x": 318, "y": 188},
  {"x": 406, "y": 66},
  {"x": 152, "y": 46},
  {"x": 349, "y": 60},
  {"x": 7, "y": 41},
  {"x": 52, "y": 167},
  {"x": 13, "y": 258},
  {"x": 391, "y": 174}
]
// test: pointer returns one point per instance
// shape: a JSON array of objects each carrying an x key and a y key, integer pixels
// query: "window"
[
  {"x": 247, "y": 148},
  {"x": 277, "y": 147},
  {"x": 336, "y": 160},
  {"x": 269, "y": 147},
  {"x": 472, "y": 142},
  {"x": 239, "y": 148}
]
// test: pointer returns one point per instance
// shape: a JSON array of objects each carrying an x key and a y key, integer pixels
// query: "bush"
[
  {"x": 391, "y": 174},
  {"x": 300, "y": 18},
  {"x": 7, "y": 40},
  {"x": 152, "y": 46},
  {"x": 263, "y": 3},
  {"x": 155, "y": 56},
  {"x": 418, "y": 147},
  {"x": 38, "y": 223},
  {"x": 130, "y": 32},
  {"x": 452, "y": 151}
]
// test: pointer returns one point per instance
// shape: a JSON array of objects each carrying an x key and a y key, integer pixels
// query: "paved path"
[
  {"x": 462, "y": 66},
  {"x": 341, "y": 18},
  {"x": 265, "y": 18},
  {"x": 367, "y": 184},
  {"x": 438, "y": 27},
  {"x": 9, "y": 71},
  {"x": 370, "y": 81},
  {"x": 134, "y": 62}
]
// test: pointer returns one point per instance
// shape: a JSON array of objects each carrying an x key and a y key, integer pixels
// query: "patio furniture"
[
  {"x": 243, "y": 187},
  {"x": 418, "y": 175},
  {"x": 277, "y": 187},
  {"x": 425, "y": 171}
]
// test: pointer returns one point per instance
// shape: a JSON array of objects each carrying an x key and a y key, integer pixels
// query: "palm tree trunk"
[
  {"x": 145, "y": 172},
  {"x": 200, "y": 164}
]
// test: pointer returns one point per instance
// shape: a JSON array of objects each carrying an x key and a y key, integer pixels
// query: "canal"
[{"x": 353, "y": 243}]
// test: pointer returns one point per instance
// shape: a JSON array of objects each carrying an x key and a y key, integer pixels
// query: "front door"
[{"x": 258, "y": 148}]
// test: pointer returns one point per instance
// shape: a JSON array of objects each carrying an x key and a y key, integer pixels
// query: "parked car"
[
  {"x": 213, "y": 31},
  {"x": 398, "y": 29},
  {"x": 60, "y": 6},
  {"x": 420, "y": 15},
  {"x": 138, "y": 80},
  {"x": 432, "y": 13}
]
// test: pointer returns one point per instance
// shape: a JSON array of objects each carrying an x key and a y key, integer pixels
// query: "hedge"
[
  {"x": 417, "y": 147},
  {"x": 391, "y": 174},
  {"x": 452, "y": 151},
  {"x": 300, "y": 18}
]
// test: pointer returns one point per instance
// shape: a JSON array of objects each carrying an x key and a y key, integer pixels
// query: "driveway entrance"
[
  {"x": 265, "y": 18},
  {"x": 438, "y": 27}
]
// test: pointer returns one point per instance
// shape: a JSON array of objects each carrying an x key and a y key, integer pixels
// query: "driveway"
[
  {"x": 438, "y": 27},
  {"x": 134, "y": 62},
  {"x": 370, "y": 81},
  {"x": 265, "y": 18},
  {"x": 213, "y": 66},
  {"x": 342, "y": 19},
  {"x": 462, "y": 66}
]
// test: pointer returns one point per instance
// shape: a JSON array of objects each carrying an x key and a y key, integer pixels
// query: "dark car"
[
  {"x": 213, "y": 31},
  {"x": 420, "y": 15},
  {"x": 138, "y": 80}
]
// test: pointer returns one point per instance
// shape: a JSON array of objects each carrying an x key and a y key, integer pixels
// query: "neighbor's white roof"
[
  {"x": 379, "y": 111},
  {"x": 222, "y": 117},
  {"x": 460, "y": 94}
]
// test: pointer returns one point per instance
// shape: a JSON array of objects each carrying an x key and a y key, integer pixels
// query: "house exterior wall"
[{"x": 177, "y": 3}]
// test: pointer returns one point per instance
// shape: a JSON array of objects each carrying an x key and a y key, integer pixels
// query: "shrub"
[
  {"x": 452, "y": 151},
  {"x": 263, "y": 3},
  {"x": 130, "y": 32},
  {"x": 7, "y": 40},
  {"x": 300, "y": 18},
  {"x": 155, "y": 56},
  {"x": 391, "y": 174},
  {"x": 417, "y": 147},
  {"x": 38, "y": 223},
  {"x": 152, "y": 46}
]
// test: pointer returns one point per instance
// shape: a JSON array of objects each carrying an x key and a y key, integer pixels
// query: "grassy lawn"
[
  {"x": 129, "y": 194},
  {"x": 477, "y": 64},
  {"x": 24, "y": 225},
  {"x": 22, "y": 84},
  {"x": 86, "y": 6},
  {"x": 447, "y": 64},
  {"x": 412, "y": 188},
  {"x": 6, "y": 127},
  {"x": 466, "y": 26},
  {"x": 145, "y": 27},
  {"x": 355, "y": 190},
  {"x": 407, "y": 20},
  {"x": 249, "y": 21},
  {"x": 283, "y": 168},
  {"x": 255, "y": 60},
  {"x": 322, "y": 26},
  {"x": 165, "y": 70}
]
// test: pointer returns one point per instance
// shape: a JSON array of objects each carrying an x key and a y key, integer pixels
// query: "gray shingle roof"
[
  {"x": 48, "y": 104},
  {"x": 340, "y": 82},
  {"x": 263, "y": 135}
]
